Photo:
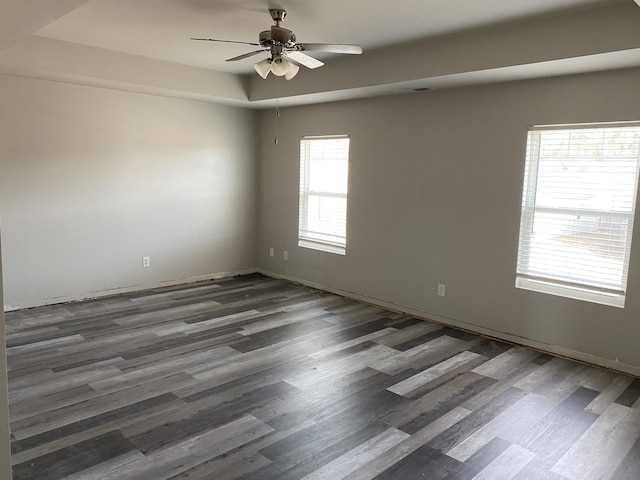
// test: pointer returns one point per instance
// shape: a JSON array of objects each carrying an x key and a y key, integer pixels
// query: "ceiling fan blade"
[
  {"x": 303, "y": 59},
  {"x": 281, "y": 35},
  {"x": 329, "y": 48},
  {"x": 225, "y": 41},
  {"x": 246, "y": 55}
]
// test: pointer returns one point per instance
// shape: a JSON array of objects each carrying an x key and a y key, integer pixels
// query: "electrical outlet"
[
  {"x": 146, "y": 261},
  {"x": 441, "y": 289},
  {"x": 285, "y": 255},
  {"x": 271, "y": 252}
]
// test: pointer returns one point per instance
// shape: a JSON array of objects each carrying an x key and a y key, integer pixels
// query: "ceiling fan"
[{"x": 285, "y": 53}]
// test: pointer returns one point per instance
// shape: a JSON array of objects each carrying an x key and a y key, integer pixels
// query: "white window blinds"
[
  {"x": 324, "y": 167},
  {"x": 578, "y": 208}
]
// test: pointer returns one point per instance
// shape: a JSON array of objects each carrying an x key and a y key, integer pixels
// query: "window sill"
[
  {"x": 324, "y": 247},
  {"x": 586, "y": 295}
]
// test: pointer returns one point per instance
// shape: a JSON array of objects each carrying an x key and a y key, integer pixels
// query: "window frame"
[
  {"x": 575, "y": 288},
  {"x": 305, "y": 238}
]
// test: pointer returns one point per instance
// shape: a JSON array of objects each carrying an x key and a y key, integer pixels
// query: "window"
[
  {"x": 578, "y": 206},
  {"x": 324, "y": 167}
]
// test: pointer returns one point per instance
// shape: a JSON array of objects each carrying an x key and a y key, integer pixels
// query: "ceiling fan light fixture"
[
  {"x": 263, "y": 68},
  {"x": 279, "y": 67}
]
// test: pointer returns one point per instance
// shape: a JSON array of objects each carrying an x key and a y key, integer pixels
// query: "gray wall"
[
  {"x": 92, "y": 180},
  {"x": 434, "y": 195},
  {"x": 5, "y": 449}
]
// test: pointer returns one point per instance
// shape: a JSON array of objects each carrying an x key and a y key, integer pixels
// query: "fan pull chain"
[
  {"x": 277, "y": 109},
  {"x": 277, "y": 117}
]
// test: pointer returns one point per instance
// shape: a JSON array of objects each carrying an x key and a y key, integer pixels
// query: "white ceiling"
[
  {"x": 161, "y": 28},
  {"x": 144, "y": 45}
]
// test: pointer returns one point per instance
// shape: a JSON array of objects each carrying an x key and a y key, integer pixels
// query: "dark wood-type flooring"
[{"x": 256, "y": 378}]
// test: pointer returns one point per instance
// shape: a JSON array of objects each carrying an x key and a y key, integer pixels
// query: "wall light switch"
[
  {"x": 441, "y": 289},
  {"x": 285, "y": 255},
  {"x": 271, "y": 252},
  {"x": 146, "y": 261}
]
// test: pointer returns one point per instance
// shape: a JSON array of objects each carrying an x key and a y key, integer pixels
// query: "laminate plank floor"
[{"x": 256, "y": 378}]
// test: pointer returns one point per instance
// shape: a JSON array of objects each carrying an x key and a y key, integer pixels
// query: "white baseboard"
[
  {"x": 527, "y": 342},
  {"x": 129, "y": 289},
  {"x": 487, "y": 332}
]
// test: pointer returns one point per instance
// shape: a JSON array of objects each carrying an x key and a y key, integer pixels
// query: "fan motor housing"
[{"x": 265, "y": 38}]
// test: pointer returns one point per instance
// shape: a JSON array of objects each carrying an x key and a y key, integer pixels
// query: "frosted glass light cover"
[
  {"x": 279, "y": 67},
  {"x": 263, "y": 68},
  {"x": 293, "y": 70}
]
